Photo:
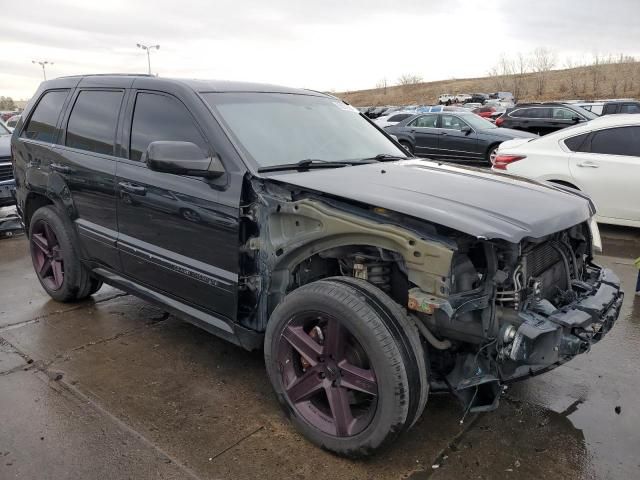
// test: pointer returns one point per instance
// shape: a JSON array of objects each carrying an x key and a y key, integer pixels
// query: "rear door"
[
  {"x": 177, "y": 234},
  {"x": 608, "y": 169},
  {"x": 86, "y": 162},
  {"x": 455, "y": 144},
  {"x": 426, "y": 135}
]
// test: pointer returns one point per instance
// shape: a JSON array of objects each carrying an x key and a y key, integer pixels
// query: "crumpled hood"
[{"x": 470, "y": 200}]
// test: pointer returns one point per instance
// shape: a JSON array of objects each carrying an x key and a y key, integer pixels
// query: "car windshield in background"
[
  {"x": 478, "y": 122},
  {"x": 278, "y": 128},
  {"x": 585, "y": 113},
  {"x": 4, "y": 130}
]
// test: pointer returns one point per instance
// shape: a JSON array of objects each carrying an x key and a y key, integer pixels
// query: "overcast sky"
[{"x": 321, "y": 44}]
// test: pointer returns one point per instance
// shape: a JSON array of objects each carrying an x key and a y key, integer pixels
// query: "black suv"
[
  {"x": 284, "y": 219},
  {"x": 622, "y": 106},
  {"x": 543, "y": 118}
]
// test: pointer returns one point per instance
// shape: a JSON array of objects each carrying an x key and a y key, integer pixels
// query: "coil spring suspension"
[{"x": 377, "y": 272}]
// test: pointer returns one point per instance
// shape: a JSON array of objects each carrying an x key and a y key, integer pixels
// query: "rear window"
[
  {"x": 42, "y": 124},
  {"x": 400, "y": 117},
  {"x": 92, "y": 124}
]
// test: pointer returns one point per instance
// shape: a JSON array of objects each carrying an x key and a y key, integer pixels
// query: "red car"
[{"x": 484, "y": 112}]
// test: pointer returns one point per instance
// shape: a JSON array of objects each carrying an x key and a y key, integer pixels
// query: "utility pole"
[
  {"x": 42, "y": 64},
  {"x": 148, "y": 48}
]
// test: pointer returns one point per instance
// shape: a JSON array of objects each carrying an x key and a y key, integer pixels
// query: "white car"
[
  {"x": 462, "y": 97},
  {"x": 600, "y": 158},
  {"x": 393, "y": 118},
  {"x": 446, "y": 98}
]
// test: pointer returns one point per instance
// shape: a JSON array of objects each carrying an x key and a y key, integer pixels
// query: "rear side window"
[
  {"x": 630, "y": 108},
  {"x": 617, "y": 141},
  {"x": 521, "y": 113},
  {"x": 92, "y": 124},
  {"x": 159, "y": 117},
  {"x": 563, "y": 114},
  {"x": 426, "y": 121},
  {"x": 575, "y": 143},
  {"x": 42, "y": 125}
]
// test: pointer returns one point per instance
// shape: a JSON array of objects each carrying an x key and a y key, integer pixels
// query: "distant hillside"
[{"x": 589, "y": 82}]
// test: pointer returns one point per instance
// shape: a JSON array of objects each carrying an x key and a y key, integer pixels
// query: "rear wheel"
[
  {"x": 55, "y": 258},
  {"x": 339, "y": 370}
]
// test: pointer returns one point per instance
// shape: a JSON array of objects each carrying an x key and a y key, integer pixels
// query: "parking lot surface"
[{"x": 113, "y": 387}]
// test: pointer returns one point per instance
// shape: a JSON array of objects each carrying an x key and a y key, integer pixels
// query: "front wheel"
[
  {"x": 407, "y": 146},
  {"x": 339, "y": 370},
  {"x": 492, "y": 154}
]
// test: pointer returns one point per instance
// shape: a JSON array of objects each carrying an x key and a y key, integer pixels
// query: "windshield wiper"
[
  {"x": 310, "y": 163},
  {"x": 387, "y": 156}
]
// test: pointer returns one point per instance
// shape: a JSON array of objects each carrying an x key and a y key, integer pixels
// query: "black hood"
[{"x": 473, "y": 201}]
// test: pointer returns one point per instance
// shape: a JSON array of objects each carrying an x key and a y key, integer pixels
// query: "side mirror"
[
  {"x": 576, "y": 119},
  {"x": 466, "y": 130},
  {"x": 182, "y": 158}
]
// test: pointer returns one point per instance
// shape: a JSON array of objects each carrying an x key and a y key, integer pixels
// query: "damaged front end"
[{"x": 518, "y": 310}]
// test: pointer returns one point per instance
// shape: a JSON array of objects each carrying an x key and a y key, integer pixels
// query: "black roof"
[{"x": 149, "y": 81}]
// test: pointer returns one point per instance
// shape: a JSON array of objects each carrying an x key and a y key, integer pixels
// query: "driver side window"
[
  {"x": 159, "y": 117},
  {"x": 452, "y": 122}
]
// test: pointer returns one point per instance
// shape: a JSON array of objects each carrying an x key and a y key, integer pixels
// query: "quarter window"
[
  {"x": 161, "y": 118},
  {"x": 575, "y": 143},
  {"x": 92, "y": 124},
  {"x": 617, "y": 141},
  {"x": 42, "y": 125},
  {"x": 630, "y": 108}
]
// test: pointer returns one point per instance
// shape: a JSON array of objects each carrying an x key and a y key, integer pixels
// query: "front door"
[
  {"x": 455, "y": 142},
  {"x": 177, "y": 234}
]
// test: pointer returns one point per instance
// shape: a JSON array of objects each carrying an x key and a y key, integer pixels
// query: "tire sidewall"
[{"x": 386, "y": 422}]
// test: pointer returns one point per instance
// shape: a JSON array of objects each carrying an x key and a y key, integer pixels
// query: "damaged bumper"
[{"x": 537, "y": 339}]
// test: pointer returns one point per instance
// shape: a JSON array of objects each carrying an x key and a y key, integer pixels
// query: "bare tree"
[
  {"x": 595, "y": 73},
  {"x": 382, "y": 84},
  {"x": 574, "y": 79},
  {"x": 514, "y": 70},
  {"x": 498, "y": 78},
  {"x": 542, "y": 62},
  {"x": 409, "y": 79}
]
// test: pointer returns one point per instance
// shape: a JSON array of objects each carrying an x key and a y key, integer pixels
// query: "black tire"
[
  {"x": 407, "y": 146},
  {"x": 406, "y": 334},
  {"x": 77, "y": 282},
  {"x": 371, "y": 326}
]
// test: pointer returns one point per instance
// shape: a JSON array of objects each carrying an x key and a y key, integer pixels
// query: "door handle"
[
  {"x": 443, "y": 133},
  {"x": 56, "y": 167},
  {"x": 131, "y": 188},
  {"x": 588, "y": 165}
]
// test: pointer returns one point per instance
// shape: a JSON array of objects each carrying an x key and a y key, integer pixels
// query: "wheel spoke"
[
  {"x": 334, "y": 344},
  {"x": 356, "y": 378},
  {"x": 45, "y": 267},
  {"x": 303, "y": 344},
  {"x": 52, "y": 240},
  {"x": 340, "y": 410},
  {"x": 58, "y": 276},
  {"x": 305, "y": 387},
  {"x": 40, "y": 242}
]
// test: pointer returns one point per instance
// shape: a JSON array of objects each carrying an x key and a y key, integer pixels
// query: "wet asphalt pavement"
[{"x": 115, "y": 388}]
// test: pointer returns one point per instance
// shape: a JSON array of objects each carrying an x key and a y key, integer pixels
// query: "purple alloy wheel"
[
  {"x": 46, "y": 255},
  {"x": 326, "y": 374}
]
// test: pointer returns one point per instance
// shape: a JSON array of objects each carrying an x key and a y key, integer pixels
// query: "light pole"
[
  {"x": 148, "y": 49},
  {"x": 42, "y": 64}
]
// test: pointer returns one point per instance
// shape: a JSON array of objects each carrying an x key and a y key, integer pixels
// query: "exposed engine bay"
[{"x": 489, "y": 311}]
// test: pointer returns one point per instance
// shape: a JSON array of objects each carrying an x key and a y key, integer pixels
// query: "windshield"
[
  {"x": 585, "y": 113},
  {"x": 478, "y": 122},
  {"x": 278, "y": 128},
  {"x": 4, "y": 130}
]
